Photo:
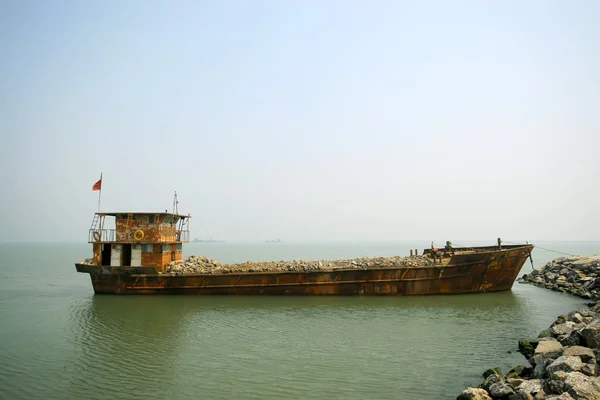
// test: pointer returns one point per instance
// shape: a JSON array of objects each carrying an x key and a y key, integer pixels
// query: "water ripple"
[{"x": 105, "y": 347}]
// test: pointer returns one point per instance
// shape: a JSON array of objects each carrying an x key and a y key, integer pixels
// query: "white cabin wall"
[{"x": 115, "y": 255}]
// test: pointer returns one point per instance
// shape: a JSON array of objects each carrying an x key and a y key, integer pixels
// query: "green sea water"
[{"x": 59, "y": 341}]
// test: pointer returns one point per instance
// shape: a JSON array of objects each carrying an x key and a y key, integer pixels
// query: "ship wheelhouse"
[{"x": 136, "y": 239}]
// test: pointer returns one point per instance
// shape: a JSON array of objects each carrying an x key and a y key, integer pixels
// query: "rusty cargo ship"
[{"x": 137, "y": 257}]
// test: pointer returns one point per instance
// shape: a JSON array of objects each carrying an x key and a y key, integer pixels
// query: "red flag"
[{"x": 97, "y": 185}]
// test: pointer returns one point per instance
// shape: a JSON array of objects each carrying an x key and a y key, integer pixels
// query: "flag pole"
[{"x": 100, "y": 192}]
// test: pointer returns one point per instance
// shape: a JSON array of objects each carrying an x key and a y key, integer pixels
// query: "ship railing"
[
  {"x": 184, "y": 236},
  {"x": 102, "y": 235},
  {"x": 175, "y": 236}
]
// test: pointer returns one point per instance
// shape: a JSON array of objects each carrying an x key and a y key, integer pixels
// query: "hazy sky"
[{"x": 303, "y": 120}]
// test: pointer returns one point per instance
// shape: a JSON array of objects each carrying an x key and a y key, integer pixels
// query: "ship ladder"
[
  {"x": 95, "y": 222},
  {"x": 94, "y": 228}
]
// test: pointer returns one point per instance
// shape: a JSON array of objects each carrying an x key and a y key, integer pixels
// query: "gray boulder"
[
  {"x": 572, "y": 339},
  {"x": 584, "y": 353},
  {"x": 490, "y": 380},
  {"x": 550, "y": 348},
  {"x": 550, "y": 276},
  {"x": 501, "y": 391},
  {"x": 540, "y": 363},
  {"x": 532, "y": 386},
  {"x": 589, "y": 369},
  {"x": 474, "y": 394},
  {"x": 591, "y": 334},
  {"x": 564, "y": 329},
  {"x": 582, "y": 387},
  {"x": 576, "y": 318},
  {"x": 515, "y": 382},
  {"x": 554, "y": 386},
  {"x": 565, "y": 363}
]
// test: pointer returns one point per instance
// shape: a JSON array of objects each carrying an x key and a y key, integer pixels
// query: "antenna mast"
[{"x": 175, "y": 204}]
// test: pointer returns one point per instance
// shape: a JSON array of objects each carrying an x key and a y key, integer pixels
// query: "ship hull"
[{"x": 468, "y": 272}]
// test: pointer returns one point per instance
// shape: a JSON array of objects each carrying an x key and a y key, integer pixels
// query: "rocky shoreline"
[
  {"x": 576, "y": 275},
  {"x": 203, "y": 265},
  {"x": 563, "y": 358}
]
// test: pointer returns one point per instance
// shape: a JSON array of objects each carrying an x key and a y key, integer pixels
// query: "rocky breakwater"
[
  {"x": 563, "y": 359},
  {"x": 203, "y": 265},
  {"x": 579, "y": 276}
]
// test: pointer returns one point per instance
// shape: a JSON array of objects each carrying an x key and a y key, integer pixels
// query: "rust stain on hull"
[{"x": 476, "y": 270}]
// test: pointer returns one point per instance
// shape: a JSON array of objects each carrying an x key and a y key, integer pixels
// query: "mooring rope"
[
  {"x": 555, "y": 251},
  {"x": 543, "y": 248}
]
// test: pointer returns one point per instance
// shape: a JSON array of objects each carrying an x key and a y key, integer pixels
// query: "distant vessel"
[
  {"x": 196, "y": 240},
  {"x": 136, "y": 258},
  {"x": 273, "y": 241}
]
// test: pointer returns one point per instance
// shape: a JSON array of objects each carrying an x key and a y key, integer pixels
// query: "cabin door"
[
  {"x": 115, "y": 255},
  {"x": 105, "y": 254},
  {"x": 136, "y": 255},
  {"x": 126, "y": 255}
]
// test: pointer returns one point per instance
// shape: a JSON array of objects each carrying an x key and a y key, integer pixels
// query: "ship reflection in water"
[{"x": 219, "y": 347}]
